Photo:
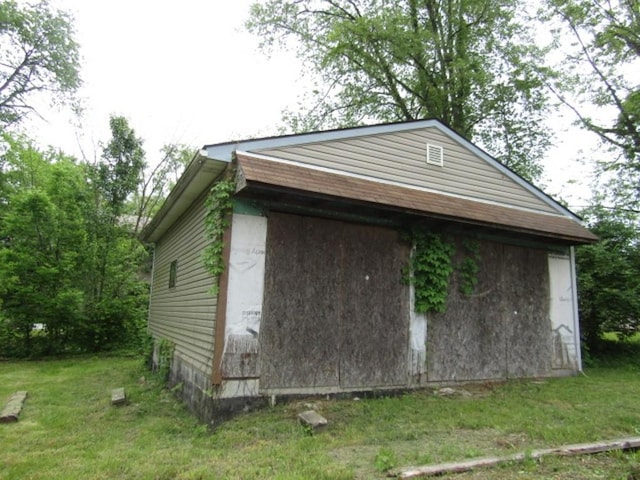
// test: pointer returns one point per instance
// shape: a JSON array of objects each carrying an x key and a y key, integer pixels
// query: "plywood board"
[
  {"x": 467, "y": 341},
  {"x": 375, "y": 310},
  {"x": 336, "y": 312},
  {"x": 503, "y": 328},
  {"x": 298, "y": 345},
  {"x": 526, "y": 307}
]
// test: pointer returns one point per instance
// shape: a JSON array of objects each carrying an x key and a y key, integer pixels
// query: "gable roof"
[{"x": 384, "y": 165}]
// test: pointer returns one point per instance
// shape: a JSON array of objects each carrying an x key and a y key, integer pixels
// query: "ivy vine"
[
  {"x": 219, "y": 206},
  {"x": 429, "y": 270},
  {"x": 431, "y": 265}
]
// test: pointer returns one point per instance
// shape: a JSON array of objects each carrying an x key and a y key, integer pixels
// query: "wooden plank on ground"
[
  {"x": 12, "y": 409},
  {"x": 118, "y": 397},
  {"x": 630, "y": 443}
]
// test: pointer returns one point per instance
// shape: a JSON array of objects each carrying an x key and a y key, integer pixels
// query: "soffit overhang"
[{"x": 257, "y": 174}]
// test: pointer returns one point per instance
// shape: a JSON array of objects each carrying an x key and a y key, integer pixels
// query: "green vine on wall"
[
  {"x": 219, "y": 206},
  {"x": 429, "y": 270},
  {"x": 431, "y": 266}
]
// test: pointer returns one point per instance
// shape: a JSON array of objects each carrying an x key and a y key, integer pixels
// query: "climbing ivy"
[
  {"x": 470, "y": 266},
  {"x": 431, "y": 266},
  {"x": 429, "y": 270},
  {"x": 219, "y": 206}
]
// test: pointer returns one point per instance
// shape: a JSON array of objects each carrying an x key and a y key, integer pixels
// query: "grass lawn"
[{"x": 69, "y": 430}]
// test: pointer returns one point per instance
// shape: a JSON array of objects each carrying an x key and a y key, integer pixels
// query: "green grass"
[{"x": 68, "y": 429}]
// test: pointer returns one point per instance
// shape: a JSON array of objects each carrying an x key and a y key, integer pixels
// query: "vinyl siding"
[
  {"x": 185, "y": 314},
  {"x": 401, "y": 157}
]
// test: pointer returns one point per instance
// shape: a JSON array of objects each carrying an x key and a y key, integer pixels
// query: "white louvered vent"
[{"x": 435, "y": 155}]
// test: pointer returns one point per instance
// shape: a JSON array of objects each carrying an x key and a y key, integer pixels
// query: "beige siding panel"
[
  {"x": 185, "y": 314},
  {"x": 401, "y": 157}
]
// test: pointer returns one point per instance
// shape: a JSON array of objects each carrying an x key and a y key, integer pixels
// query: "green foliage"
[
  {"x": 429, "y": 270},
  {"x": 431, "y": 266},
  {"x": 122, "y": 165},
  {"x": 609, "y": 277},
  {"x": 385, "y": 460},
  {"x": 601, "y": 46},
  {"x": 219, "y": 206},
  {"x": 38, "y": 54},
  {"x": 67, "y": 263},
  {"x": 165, "y": 350},
  {"x": 43, "y": 242},
  {"x": 469, "y": 63},
  {"x": 156, "y": 183},
  {"x": 470, "y": 266}
]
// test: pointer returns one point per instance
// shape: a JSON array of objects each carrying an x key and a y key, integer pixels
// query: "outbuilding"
[{"x": 320, "y": 290}]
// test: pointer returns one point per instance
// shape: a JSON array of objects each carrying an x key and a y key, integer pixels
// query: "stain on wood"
[
  {"x": 501, "y": 330},
  {"x": 335, "y": 311},
  {"x": 11, "y": 411}
]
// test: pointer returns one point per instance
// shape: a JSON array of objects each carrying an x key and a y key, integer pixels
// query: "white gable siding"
[
  {"x": 185, "y": 314},
  {"x": 401, "y": 157}
]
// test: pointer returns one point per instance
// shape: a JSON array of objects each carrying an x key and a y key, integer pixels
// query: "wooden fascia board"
[{"x": 257, "y": 171}]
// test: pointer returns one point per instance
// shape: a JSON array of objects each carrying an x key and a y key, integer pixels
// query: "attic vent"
[{"x": 435, "y": 155}]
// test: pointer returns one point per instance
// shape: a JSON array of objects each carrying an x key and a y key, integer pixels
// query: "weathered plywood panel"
[
  {"x": 467, "y": 341},
  {"x": 375, "y": 311},
  {"x": 335, "y": 312},
  {"x": 526, "y": 307},
  {"x": 300, "y": 309},
  {"x": 503, "y": 328}
]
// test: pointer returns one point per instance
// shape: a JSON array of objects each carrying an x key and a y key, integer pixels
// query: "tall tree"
[
  {"x": 599, "y": 77},
  {"x": 469, "y": 63},
  {"x": 609, "y": 276},
  {"x": 42, "y": 241},
  {"x": 156, "y": 182},
  {"x": 37, "y": 54},
  {"x": 114, "y": 257}
]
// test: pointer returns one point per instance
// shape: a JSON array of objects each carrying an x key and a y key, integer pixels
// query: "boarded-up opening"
[
  {"x": 503, "y": 329},
  {"x": 335, "y": 310}
]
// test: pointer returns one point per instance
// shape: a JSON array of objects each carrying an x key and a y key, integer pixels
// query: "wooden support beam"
[
  {"x": 12, "y": 409},
  {"x": 631, "y": 443}
]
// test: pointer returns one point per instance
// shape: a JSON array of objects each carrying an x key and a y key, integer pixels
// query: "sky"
[
  {"x": 188, "y": 72},
  {"x": 180, "y": 72}
]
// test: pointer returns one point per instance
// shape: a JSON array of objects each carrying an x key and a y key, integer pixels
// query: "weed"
[{"x": 385, "y": 460}]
